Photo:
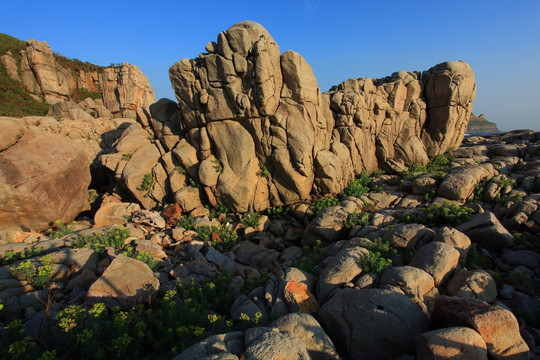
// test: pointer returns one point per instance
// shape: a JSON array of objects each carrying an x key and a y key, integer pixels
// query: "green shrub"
[
  {"x": 185, "y": 315},
  {"x": 251, "y": 219},
  {"x": 439, "y": 215},
  {"x": 36, "y": 275},
  {"x": 320, "y": 204},
  {"x": 186, "y": 222},
  {"x": 218, "y": 210},
  {"x": 126, "y": 156},
  {"x": 222, "y": 238},
  {"x": 142, "y": 256},
  {"x": 11, "y": 256},
  {"x": 356, "y": 219},
  {"x": 14, "y": 344},
  {"x": 263, "y": 170},
  {"x": 357, "y": 187},
  {"x": 373, "y": 262},
  {"x": 383, "y": 248},
  {"x": 112, "y": 238},
  {"x": 278, "y": 212},
  {"x": 59, "y": 230},
  {"x": 146, "y": 184}
]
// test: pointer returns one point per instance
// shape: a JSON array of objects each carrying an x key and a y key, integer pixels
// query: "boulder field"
[
  {"x": 353, "y": 224},
  {"x": 417, "y": 276}
]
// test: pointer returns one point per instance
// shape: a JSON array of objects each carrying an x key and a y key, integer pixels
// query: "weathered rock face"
[
  {"x": 254, "y": 109},
  {"x": 43, "y": 177},
  {"x": 123, "y": 88}
]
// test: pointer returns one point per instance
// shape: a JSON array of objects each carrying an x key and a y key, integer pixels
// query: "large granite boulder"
[
  {"x": 43, "y": 178},
  {"x": 372, "y": 323}
]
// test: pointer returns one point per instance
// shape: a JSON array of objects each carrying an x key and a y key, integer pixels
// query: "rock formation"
[
  {"x": 258, "y": 118},
  {"x": 43, "y": 177},
  {"x": 123, "y": 89},
  {"x": 480, "y": 125}
]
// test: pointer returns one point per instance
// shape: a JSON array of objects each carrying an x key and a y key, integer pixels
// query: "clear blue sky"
[{"x": 340, "y": 39}]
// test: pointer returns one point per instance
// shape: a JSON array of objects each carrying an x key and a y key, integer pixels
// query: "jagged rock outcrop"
[
  {"x": 123, "y": 89},
  {"x": 480, "y": 125},
  {"x": 257, "y": 118}
]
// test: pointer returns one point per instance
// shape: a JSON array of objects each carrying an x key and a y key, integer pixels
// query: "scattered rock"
[
  {"x": 115, "y": 289},
  {"x": 372, "y": 323}
]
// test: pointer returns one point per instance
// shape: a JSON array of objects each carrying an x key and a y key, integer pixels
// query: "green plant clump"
[
  {"x": 357, "y": 187},
  {"x": 311, "y": 258},
  {"x": 263, "y": 170},
  {"x": 320, "y": 204},
  {"x": 186, "y": 222},
  {"x": 439, "y": 215},
  {"x": 146, "y": 184},
  {"x": 59, "y": 230},
  {"x": 11, "y": 256},
  {"x": 112, "y": 238},
  {"x": 374, "y": 262},
  {"x": 223, "y": 238},
  {"x": 142, "y": 256},
  {"x": 277, "y": 212},
  {"x": 356, "y": 219},
  {"x": 251, "y": 219},
  {"x": 36, "y": 275},
  {"x": 383, "y": 248}
]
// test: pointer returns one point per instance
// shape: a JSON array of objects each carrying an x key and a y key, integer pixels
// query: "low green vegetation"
[
  {"x": 320, "y": 204},
  {"x": 223, "y": 238},
  {"x": 15, "y": 101},
  {"x": 114, "y": 238},
  {"x": 438, "y": 166},
  {"x": 311, "y": 258},
  {"x": 146, "y": 184},
  {"x": 217, "y": 211},
  {"x": 277, "y": 212},
  {"x": 357, "y": 187},
  {"x": 251, "y": 219},
  {"x": 185, "y": 315},
  {"x": 80, "y": 94},
  {"x": 126, "y": 156},
  {"x": 218, "y": 166},
  {"x": 11, "y": 256},
  {"x": 381, "y": 247},
  {"x": 476, "y": 260},
  {"x": 439, "y": 215},
  {"x": 356, "y": 219},
  {"x": 374, "y": 262},
  {"x": 263, "y": 170},
  {"x": 58, "y": 229},
  {"x": 142, "y": 256},
  {"x": 37, "y": 275},
  {"x": 186, "y": 222}
]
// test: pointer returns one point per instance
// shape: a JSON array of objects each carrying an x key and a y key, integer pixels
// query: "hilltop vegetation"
[{"x": 15, "y": 99}]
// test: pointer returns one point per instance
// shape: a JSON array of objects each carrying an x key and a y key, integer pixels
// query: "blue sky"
[{"x": 340, "y": 39}]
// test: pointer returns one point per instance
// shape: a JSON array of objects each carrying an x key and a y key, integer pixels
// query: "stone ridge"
[
  {"x": 123, "y": 88},
  {"x": 273, "y": 114}
]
